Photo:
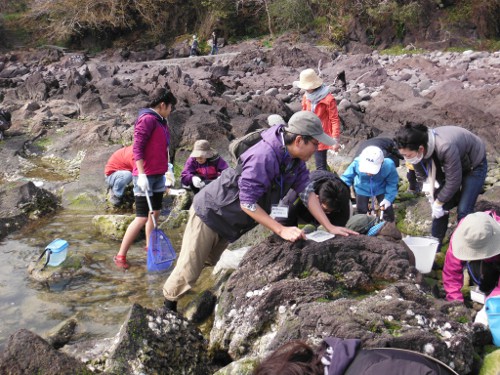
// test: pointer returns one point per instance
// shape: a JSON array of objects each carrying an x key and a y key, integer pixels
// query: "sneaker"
[
  {"x": 169, "y": 305},
  {"x": 121, "y": 261}
]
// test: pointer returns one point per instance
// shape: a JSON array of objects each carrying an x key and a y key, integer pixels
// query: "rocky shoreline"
[{"x": 71, "y": 111}]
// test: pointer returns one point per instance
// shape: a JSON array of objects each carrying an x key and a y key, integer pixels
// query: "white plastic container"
[
  {"x": 56, "y": 252},
  {"x": 424, "y": 249}
]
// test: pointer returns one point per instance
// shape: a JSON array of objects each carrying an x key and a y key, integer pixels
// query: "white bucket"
[{"x": 424, "y": 249}]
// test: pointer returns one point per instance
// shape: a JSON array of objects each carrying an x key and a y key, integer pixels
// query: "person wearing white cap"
[
  {"x": 475, "y": 245},
  {"x": 319, "y": 100},
  {"x": 375, "y": 177}
]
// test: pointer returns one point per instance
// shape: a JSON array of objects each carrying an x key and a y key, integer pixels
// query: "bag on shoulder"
[{"x": 239, "y": 145}]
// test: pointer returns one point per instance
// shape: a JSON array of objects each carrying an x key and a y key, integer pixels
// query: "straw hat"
[
  {"x": 477, "y": 237},
  {"x": 202, "y": 149},
  {"x": 371, "y": 160},
  {"x": 308, "y": 80}
]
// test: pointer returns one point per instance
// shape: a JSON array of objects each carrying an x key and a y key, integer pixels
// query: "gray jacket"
[{"x": 456, "y": 153}]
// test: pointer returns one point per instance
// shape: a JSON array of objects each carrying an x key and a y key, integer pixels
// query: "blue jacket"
[
  {"x": 384, "y": 182},
  {"x": 267, "y": 173}
]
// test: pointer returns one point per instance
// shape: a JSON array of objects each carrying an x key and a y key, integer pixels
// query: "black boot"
[{"x": 170, "y": 305}]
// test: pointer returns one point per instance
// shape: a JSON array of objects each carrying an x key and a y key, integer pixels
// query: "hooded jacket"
[
  {"x": 384, "y": 182},
  {"x": 326, "y": 109},
  {"x": 456, "y": 152},
  {"x": 267, "y": 172},
  {"x": 151, "y": 141}
]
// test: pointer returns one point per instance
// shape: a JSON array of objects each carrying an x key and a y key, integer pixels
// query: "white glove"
[
  {"x": 142, "y": 182},
  {"x": 169, "y": 176},
  {"x": 197, "y": 182},
  {"x": 385, "y": 203},
  {"x": 437, "y": 210}
]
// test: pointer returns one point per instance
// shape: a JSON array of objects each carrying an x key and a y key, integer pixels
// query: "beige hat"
[
  {"x": 275, "y": 120},
  {"x": 308, "y": 123},
  {"x": 308, "y": 80},
  {"x": 202, "y": 149},
  {"x": 477, "y": 237},
  {"x": 371, "y": 160}
]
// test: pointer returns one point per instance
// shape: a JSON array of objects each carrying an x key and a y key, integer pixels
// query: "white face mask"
[{"x": 415, "y": 159}]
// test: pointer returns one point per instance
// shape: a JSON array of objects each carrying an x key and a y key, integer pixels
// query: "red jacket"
[
  {"x": 121, "y": 160},
  {"x": 326, "y": 109}
]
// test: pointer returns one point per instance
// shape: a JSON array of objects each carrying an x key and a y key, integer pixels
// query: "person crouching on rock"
[
  {"x": 118, "y": 172},
  {"x": 336, "y": 356},
  {"x": 151, "y": 155},
  {"x": 202, "y": 167},
  {"x": 475, "y": 246},
  {"x": 248, "y": 195},
  {"x": 452, "y": 162},
  {"x": 373, "y": 176}
]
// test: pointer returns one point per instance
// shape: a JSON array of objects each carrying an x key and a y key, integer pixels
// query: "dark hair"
[
  {"x": 293, "y": 358},
  {"x": 290, "y": 137},
  {"x": 162, "y": 95},
  {"x": 333, "y": 193},
  {"x": 412, "y": 136}
]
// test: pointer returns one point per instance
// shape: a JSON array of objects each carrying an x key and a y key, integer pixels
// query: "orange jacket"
[{"x": 326, "y": 110}]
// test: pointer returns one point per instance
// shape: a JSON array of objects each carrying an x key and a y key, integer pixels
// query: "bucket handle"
[{"x": 48, "y": 251}]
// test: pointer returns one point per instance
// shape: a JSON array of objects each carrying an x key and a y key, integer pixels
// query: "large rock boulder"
[
  {"x": 27, "y": 353},
  {"x": 309, "y": 290}
]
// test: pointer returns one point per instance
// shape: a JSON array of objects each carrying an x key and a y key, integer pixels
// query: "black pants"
[{"x": 362, "y": 206}]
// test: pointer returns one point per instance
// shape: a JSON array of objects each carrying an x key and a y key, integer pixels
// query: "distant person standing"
[
  {"x": 194, "y": 46},
  {"x": 151, "y": 155},
  {"x": 215, "y": 48},
  {"x": 5, "y": 122},
  {"x": 118, "y": 172},
  {"x": 319, "y": 100}
]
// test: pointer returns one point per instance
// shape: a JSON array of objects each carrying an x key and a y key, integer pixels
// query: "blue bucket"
[
  {"x": 56, "y": 252},
  {"x": 493, "y": 313}
]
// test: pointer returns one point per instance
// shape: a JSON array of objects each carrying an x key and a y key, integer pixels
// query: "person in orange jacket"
[{"x": 319, "y": 100}]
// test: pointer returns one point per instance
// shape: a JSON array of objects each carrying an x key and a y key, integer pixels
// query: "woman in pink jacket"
[
  {"x": 475, "y": 244},
  {"x": 319, "y": 100}
]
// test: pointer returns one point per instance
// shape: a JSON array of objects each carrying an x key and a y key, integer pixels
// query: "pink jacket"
[{"x": 453, "y": 277}]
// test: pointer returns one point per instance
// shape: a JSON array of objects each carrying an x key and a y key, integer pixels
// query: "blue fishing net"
[{"x": 161, "y": 254}]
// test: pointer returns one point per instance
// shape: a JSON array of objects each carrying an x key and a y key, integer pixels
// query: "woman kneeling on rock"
[{"x": 337, "y": 356}]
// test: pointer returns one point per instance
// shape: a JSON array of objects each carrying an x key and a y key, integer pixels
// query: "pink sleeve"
[{"x": 453, "y": 277}]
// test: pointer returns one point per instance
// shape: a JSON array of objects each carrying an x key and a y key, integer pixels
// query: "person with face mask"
[{"x": 452, "y": 163}]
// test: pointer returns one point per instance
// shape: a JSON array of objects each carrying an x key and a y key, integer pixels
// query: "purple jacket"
[
  {"x": 207, "y": 171},
  {"x": 151, "y": 141},
  {"x": 267, "y": 173},
  {"x": 453, "y": 276}
]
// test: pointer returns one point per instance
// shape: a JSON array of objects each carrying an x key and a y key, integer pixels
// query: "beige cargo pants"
[{"x": 200, "y": 245}]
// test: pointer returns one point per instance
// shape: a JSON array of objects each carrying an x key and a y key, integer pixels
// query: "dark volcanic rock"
[{"x": 27, "y": 353}]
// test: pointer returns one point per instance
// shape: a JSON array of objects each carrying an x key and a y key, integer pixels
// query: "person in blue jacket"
[{"x": 375, "y": 177}]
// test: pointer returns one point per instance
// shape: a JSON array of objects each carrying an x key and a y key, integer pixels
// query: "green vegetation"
[{"x": 400, "y": 50}]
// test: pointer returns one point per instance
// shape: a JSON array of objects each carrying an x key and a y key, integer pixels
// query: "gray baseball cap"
[{"x": 307, "y": 123}]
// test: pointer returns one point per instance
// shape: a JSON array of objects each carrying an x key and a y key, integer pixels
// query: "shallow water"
[{"x": 100, "y": 300}]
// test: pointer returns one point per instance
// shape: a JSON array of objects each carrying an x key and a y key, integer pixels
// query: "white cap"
[{"x": 370, "y": 160}]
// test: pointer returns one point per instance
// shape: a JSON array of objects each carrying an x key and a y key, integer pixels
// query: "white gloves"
[
  {"x": 197, "y": 182},
  {"x": 385, "y": 203},
  {"x": 437, "y": 210},
  {"x": 169, "y": 176},
  {"x": 142, "y": 182}
]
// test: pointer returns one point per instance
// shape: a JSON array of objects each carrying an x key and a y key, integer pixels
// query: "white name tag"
[
  {"x": 278, "y": 211},
  {"x": 477, "y": 296}
]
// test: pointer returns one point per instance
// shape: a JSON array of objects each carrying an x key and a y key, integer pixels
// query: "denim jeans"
[
  {"x": 362, "y": 206},
  {"x": 118, "y": 181},
  {"x": 320, "y": 159},
  {"x": 472, "y": 185}
]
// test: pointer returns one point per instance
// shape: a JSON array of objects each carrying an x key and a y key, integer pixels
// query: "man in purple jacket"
[
  {"x": 249, "y": 195},
  {"x": 151, "y": 155}
]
